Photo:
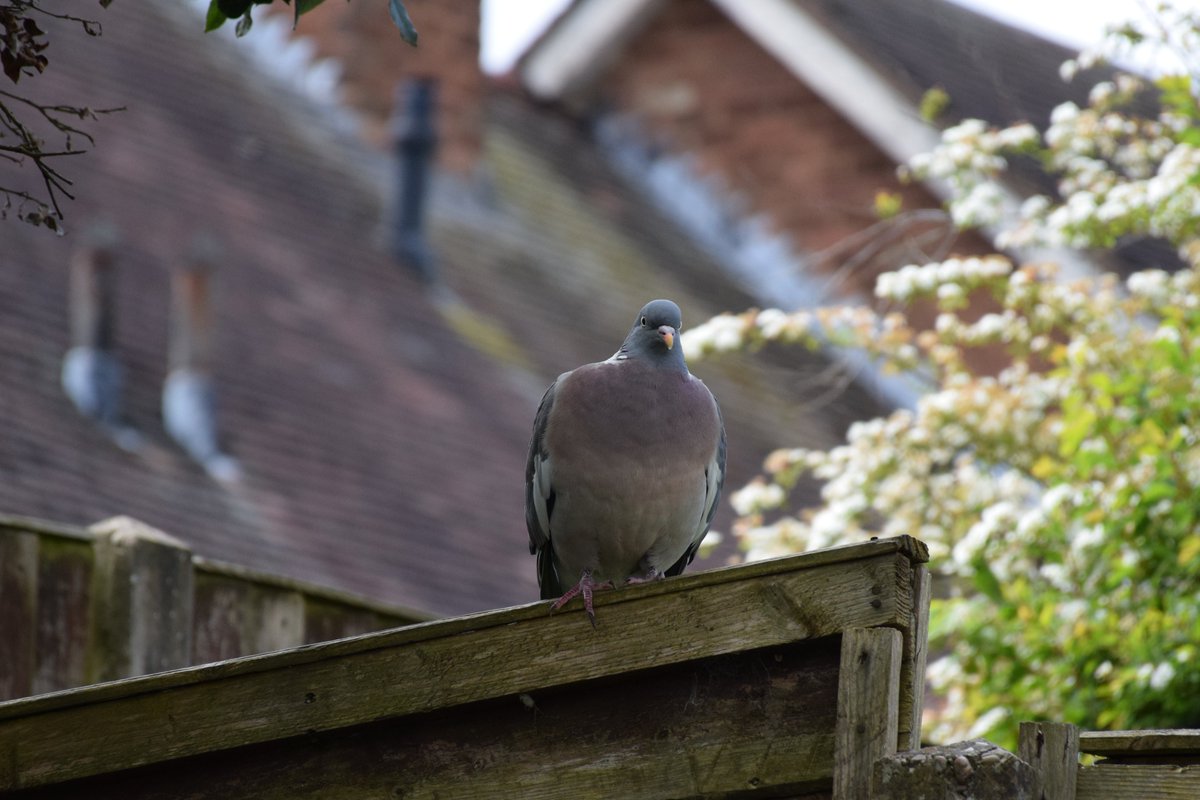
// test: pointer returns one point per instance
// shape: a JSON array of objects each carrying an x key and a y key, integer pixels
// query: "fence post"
[
  {"x": 143, "y": 600},
  {"x": 868, "y": 708},
  {"x": 1052, "y": 749}
]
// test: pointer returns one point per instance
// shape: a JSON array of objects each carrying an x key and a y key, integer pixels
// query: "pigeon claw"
[
  {"x": 650, "y": 577},
  {"x": 585, "y": 587}
]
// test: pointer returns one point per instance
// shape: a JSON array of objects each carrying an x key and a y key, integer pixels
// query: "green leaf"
[
  {"x": 1076, "y": 428},
  {"x": 215, "y": 18},
  {"x": 303, "y": 7},
  {"x": 1158, "y": 490},
  {"x": 934, "y": 103},
  {"x": 1190, "y": 135},
  {"x": 233, "y": 9},
  {"x": 243, "y": 24},
  {"x": 985, "y": 581},
  {"x": 400, "y": 17}
]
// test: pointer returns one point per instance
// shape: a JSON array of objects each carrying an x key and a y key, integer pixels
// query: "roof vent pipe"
[
  {"x": 189, "y": 405},
  {"x": 414, "y": 137},
  {"x": 92, "y": 375}
]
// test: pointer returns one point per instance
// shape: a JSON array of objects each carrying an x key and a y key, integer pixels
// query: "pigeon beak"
[{"x": 668, "y": 335}]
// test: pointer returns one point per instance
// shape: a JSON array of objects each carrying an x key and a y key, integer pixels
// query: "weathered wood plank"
[
  {"x": 1138, "y": 782},
  {"x": 18, "y": 612},
  {"x": 1116, "y": 744},
  {"x": 63, "y": 636},
  {"x": 1052, "y": 749},
  {"x": 912, "y": 671},
  {"x": 436, "y": 665},
  {"x": 399, "y": 615},
  {"x": 868, "y": 715},
  {"x": 760, "y": 723},
  {"x": 236, "y": 618},
  {"x": 325, "y": 620}
]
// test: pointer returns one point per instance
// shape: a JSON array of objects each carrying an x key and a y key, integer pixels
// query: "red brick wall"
[
  {"x": 699, "y": 83},
  {"x": 375, "y": 59}
]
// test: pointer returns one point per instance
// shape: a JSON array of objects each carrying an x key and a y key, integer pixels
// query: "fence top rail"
[
  {"x": 1114, "y": 744},
  {"x": 11, "y": 523},
  {"x": 914, "y": 549},
  {"x": 433, "y": 665}
]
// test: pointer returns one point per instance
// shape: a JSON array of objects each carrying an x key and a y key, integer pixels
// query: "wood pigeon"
[{"x": 625, "y": 466}]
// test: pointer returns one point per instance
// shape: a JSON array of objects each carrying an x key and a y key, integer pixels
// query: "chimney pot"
[{"x": 415, "y": 138}]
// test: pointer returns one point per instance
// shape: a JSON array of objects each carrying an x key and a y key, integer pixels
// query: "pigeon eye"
[{"x": 643, "y": 322}]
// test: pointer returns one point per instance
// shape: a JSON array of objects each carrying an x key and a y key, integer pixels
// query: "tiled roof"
[
  {"x": 380, "y": 452},
  {"x": 380, "y": 430}
]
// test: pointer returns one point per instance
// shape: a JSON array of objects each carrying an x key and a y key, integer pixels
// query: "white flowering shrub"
[{"x": 1062, "y": 493}]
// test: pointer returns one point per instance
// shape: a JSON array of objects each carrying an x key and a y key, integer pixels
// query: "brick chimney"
[
  {"x": 189, "y": 405},
  {"x": 92, "y": 375},
  {"x": 362, "y": 38}
]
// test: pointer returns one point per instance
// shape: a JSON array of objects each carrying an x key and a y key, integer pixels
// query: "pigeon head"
[{"x": 655, "y": 334}]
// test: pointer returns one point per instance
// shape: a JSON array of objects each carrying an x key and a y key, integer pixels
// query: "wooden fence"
[
  {"x": 781, "y": 678},
  {"x": 800, "y": 677},
  {"x": 84, "y": 605}
]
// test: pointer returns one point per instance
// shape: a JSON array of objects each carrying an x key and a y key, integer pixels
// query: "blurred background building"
[{"x": 316, "y": 281}]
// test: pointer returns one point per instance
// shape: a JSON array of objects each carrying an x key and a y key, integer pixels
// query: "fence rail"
[
  {"x": 788, "y": 677},
  {"x": 118, "y": 599},
  {"x": 799, "y": 677}
]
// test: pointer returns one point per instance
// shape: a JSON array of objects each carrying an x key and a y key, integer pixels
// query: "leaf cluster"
[{"x": 220, "y": 11}]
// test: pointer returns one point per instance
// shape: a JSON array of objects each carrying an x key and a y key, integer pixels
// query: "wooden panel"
[
  {"x": 868, "y": 707},
  {"x": 325, "y": 621},
  {"x": 912, "y": 670},
  {"x": 18, "y": 611},
  {"x": 1052, "y": 749},
  {"x": 63, "y": 636},
  {"x": 1138, "y": 782},
  {"x": 760, "y": 723},
  {"x": 237, "y": 618},
  {"x": 441, "y": 664},
  {"x": 1153, "y": 743}
]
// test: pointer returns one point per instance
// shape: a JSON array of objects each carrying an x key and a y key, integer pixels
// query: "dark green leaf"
[
  {"x": 215, "y": 19},
  {"x": 400, "y": 17},
  {"x": 985, "y": 581},
  {"x": 303, "y": 7},
  {"x": 234, "y": 9},
  {"x": 243, "y": 24}
]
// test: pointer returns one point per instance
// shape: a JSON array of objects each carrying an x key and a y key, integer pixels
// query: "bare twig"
[{"x": 21, "y": 50}]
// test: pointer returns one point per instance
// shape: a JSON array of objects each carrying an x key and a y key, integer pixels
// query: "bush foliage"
[{"x": 1061, "y": 493}]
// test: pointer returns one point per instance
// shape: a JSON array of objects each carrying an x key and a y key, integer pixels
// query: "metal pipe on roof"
[{"x": 415, "y": 138}]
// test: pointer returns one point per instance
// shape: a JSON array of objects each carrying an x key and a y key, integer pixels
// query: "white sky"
[{"x": 510, "y": 25}]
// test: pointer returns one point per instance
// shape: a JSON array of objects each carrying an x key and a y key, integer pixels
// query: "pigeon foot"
[{"x": 585, "y": 587}]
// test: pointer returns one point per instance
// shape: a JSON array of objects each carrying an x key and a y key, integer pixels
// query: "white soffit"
[{"x": 576, "y": 46}]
